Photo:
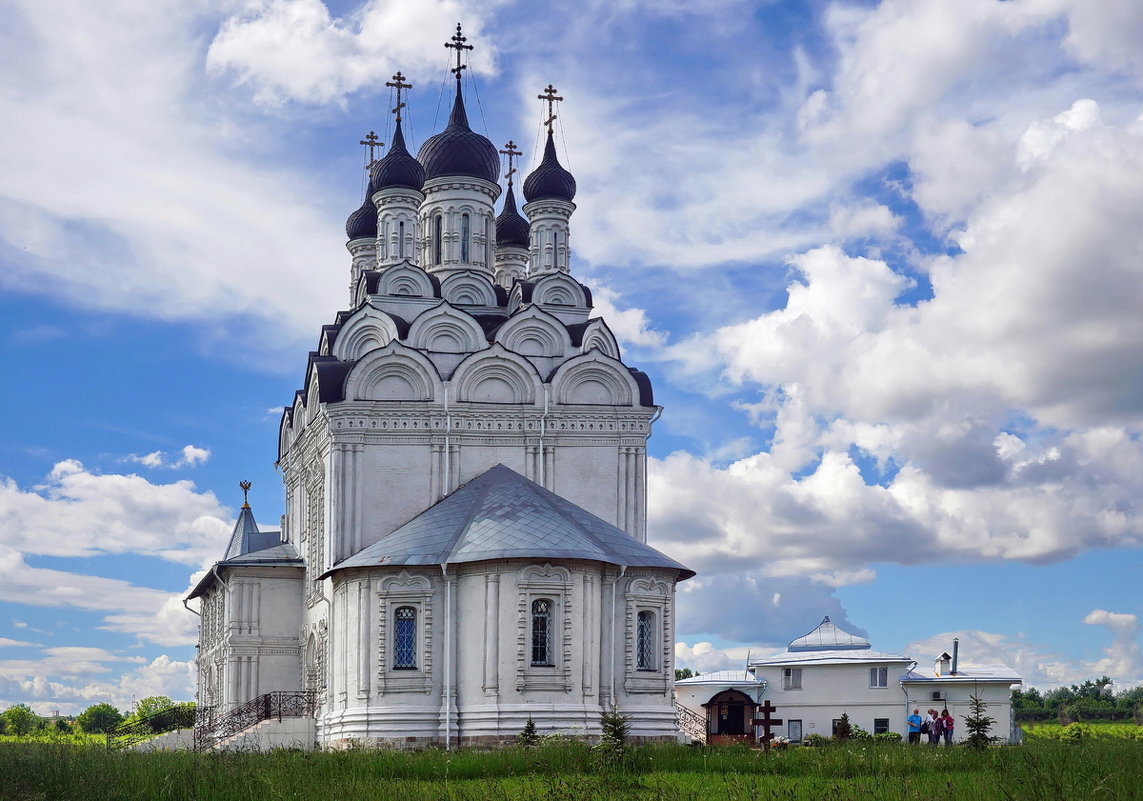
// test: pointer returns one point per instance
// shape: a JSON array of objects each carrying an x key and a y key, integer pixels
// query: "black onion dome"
[
  {"x": 549, "y": 180},
  {"x": 458, "y": 150},
  {"x": 398, "y": 167},
  {"x": 362, "y": 224},
  {"x": 511, "y": 228}
]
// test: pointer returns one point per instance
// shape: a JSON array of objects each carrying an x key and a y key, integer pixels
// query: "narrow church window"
[
  {"x": 488, "y": 242},
  {"x": 465, "y": 231},
  {"x": 438, "y": 224},
  {"x": 792, "y": 679},
  {"x": 645, "y": 641},
  {"x": 401, "y": 240},
  {"x": 405, "y": 639},
  {"x": 541, "y": 632}
]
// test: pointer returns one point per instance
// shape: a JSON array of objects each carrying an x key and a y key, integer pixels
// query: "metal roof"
[
  {"x": 828, "y": 637},
  {"x": 829, "y": 657},
  {"x": 502, "y": 515},
  {"x": 723, "y": 677},
  {"x": 966, "y": 674},
  {"x": 249, "y": 547}
]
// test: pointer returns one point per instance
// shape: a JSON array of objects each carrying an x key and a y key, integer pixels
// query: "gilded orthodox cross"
[
  {"x": 398, "y": 83},
  {"x": 245, "y": 485},
  {"x": 458, "y": 44},
  {"x": 550, "y": 96},
  {"x": 766, "y": 722},
  {"x": 511, "y": 152},
  {"x": 372, "y": 141}
]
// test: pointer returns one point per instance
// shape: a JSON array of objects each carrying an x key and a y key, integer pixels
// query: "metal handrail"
[
  {"x": 180, "y": 716},
  {"x": 695, "y": 726},
  {"x": 211, "y": 729}
]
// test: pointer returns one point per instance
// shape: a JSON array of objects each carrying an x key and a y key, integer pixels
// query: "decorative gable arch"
[
  {"x": 495, "y": 375},
  {"x": 468, "y": 289},
  {"x": 597, "y": 336},
  {"x": 368, "y": 329},
  {"x": 594, "y": 379},
  {"x": 534, "y": 332},
  {"x": 393, "y": 373},
  {"x": 406, "y": 280},
  {"x": 559, "y": 289},
  {"x": 443, "y": 329}
]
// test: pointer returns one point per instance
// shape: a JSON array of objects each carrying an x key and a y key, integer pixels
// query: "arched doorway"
[{"x": 731, "y": 712}]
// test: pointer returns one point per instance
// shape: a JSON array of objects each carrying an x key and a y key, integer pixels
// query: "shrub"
[
  {"x": 612, "y": 745},
  {"x": 888, "y": 737},
  {"x": 815, "y": 740},
  {"x": 1075, "y": 733},
  {"x": 843, "y": 731}
]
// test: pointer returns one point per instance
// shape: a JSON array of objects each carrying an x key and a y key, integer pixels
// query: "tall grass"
[{"x": 568, "y": 771}]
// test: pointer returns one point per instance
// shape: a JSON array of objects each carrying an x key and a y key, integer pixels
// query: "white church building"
[
  {"x": 464, "y": 541},
  {"x": 830, "y": 672}
]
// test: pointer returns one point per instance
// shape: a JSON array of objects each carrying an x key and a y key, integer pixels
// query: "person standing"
[
  {"x": 947, "y": 724},
  {"x": 914, "y": 724},
  {"x": 933, "y": 723}
]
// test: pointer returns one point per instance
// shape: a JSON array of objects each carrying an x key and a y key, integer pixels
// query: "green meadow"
[{"x": 1044, "y": 768}]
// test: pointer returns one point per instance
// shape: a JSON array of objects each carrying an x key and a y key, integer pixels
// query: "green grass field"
[{"x": 1043, "y": 769}]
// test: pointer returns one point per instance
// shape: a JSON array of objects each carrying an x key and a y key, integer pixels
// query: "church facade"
[{"x": 464, "y": 541}]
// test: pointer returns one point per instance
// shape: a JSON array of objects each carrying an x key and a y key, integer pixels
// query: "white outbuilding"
[{"x": 830, "y": 672}]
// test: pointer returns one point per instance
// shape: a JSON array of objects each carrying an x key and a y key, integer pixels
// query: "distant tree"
[
  {"x": 151, "y": 705},
  {"x": 685, "y": 673},
  {"x": 20, "y": 720},
  {"x": 979, "y": 724},
  {"x": 62, "y": 725},
  {"x": 99, "y": 719}
]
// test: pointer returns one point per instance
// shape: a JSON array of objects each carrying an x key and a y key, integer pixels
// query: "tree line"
[
  {"x": 21, "y": 721},
  {"x": 1094, "y": 699}
]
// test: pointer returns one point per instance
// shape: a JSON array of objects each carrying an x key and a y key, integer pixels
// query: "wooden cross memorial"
[{"x": 766, "y": 722}]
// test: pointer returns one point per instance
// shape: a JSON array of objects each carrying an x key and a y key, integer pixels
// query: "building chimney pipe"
[{"x": 956, "y": 647}]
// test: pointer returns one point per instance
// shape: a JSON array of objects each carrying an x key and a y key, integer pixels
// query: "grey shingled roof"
[
  {"x": 250, "y": 546},
  {"x": 502, "y": 515}
]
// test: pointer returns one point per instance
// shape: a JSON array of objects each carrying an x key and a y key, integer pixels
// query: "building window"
[
  {"x": 792, "y": 679},
  {"x": 401, "y": 239},
  {"x": 465, "y": 232},
  {"x": 881, "y": 725},
  {"x": 879, "y": 677},
  {"x": 438, "y": 233},
  {"x": 541, "y": 632},
  {"x": 645, "y": 641},
  {"x": 405, "y": 638}
]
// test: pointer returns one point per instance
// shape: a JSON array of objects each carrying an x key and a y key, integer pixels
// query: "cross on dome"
[
  {"x": 458, "y": 44},
  {"x": 372, "y": 141},
  {"x": 551, "y": 97},
  {"x": 398, "y": 83},
  {"x": 511, "y": 152}
]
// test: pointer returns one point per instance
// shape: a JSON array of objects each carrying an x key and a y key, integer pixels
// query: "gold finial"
[
  {"x": 245, "y": 485},
  {"x": 511, "y": 152},
  {"x": 550, "y": 96},
  {"x": 398, "y": 83},
  {"x": 458, "y": 44},
  {"x": 372, "y": 141}
]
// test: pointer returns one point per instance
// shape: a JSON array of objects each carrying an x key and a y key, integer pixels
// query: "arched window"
[
  {"x": 438, "y": 232},
  {"x": 405, "y": 638},
  {"x": 541, "y": 632},
  {"x": 401, "y": 240},
  {"x": 465, "y": 235},
  {"x": 487, "y": 242},
  {"x": 645, "y": 641}
]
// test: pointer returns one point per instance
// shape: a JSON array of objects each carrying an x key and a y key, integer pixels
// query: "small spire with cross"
[
  {"x": 245, "y": 486},
  {"x": 458, "y": 44},
  {"x": 549, "y": 95},
  {"x": 511, "y": 152},
  {"x": 372, "y": 141},
  {"x": 398, "y": 83}
]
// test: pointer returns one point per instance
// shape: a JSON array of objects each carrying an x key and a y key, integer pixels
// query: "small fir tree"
[
  {"x": 528, "y": 736},
  {"x": 979, "y": 723},
  {"x": 843, "y": 731},
  {"x": 612, "y": 745}
]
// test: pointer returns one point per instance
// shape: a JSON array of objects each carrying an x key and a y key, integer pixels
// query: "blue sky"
[{"x": 881, "y": 260}]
